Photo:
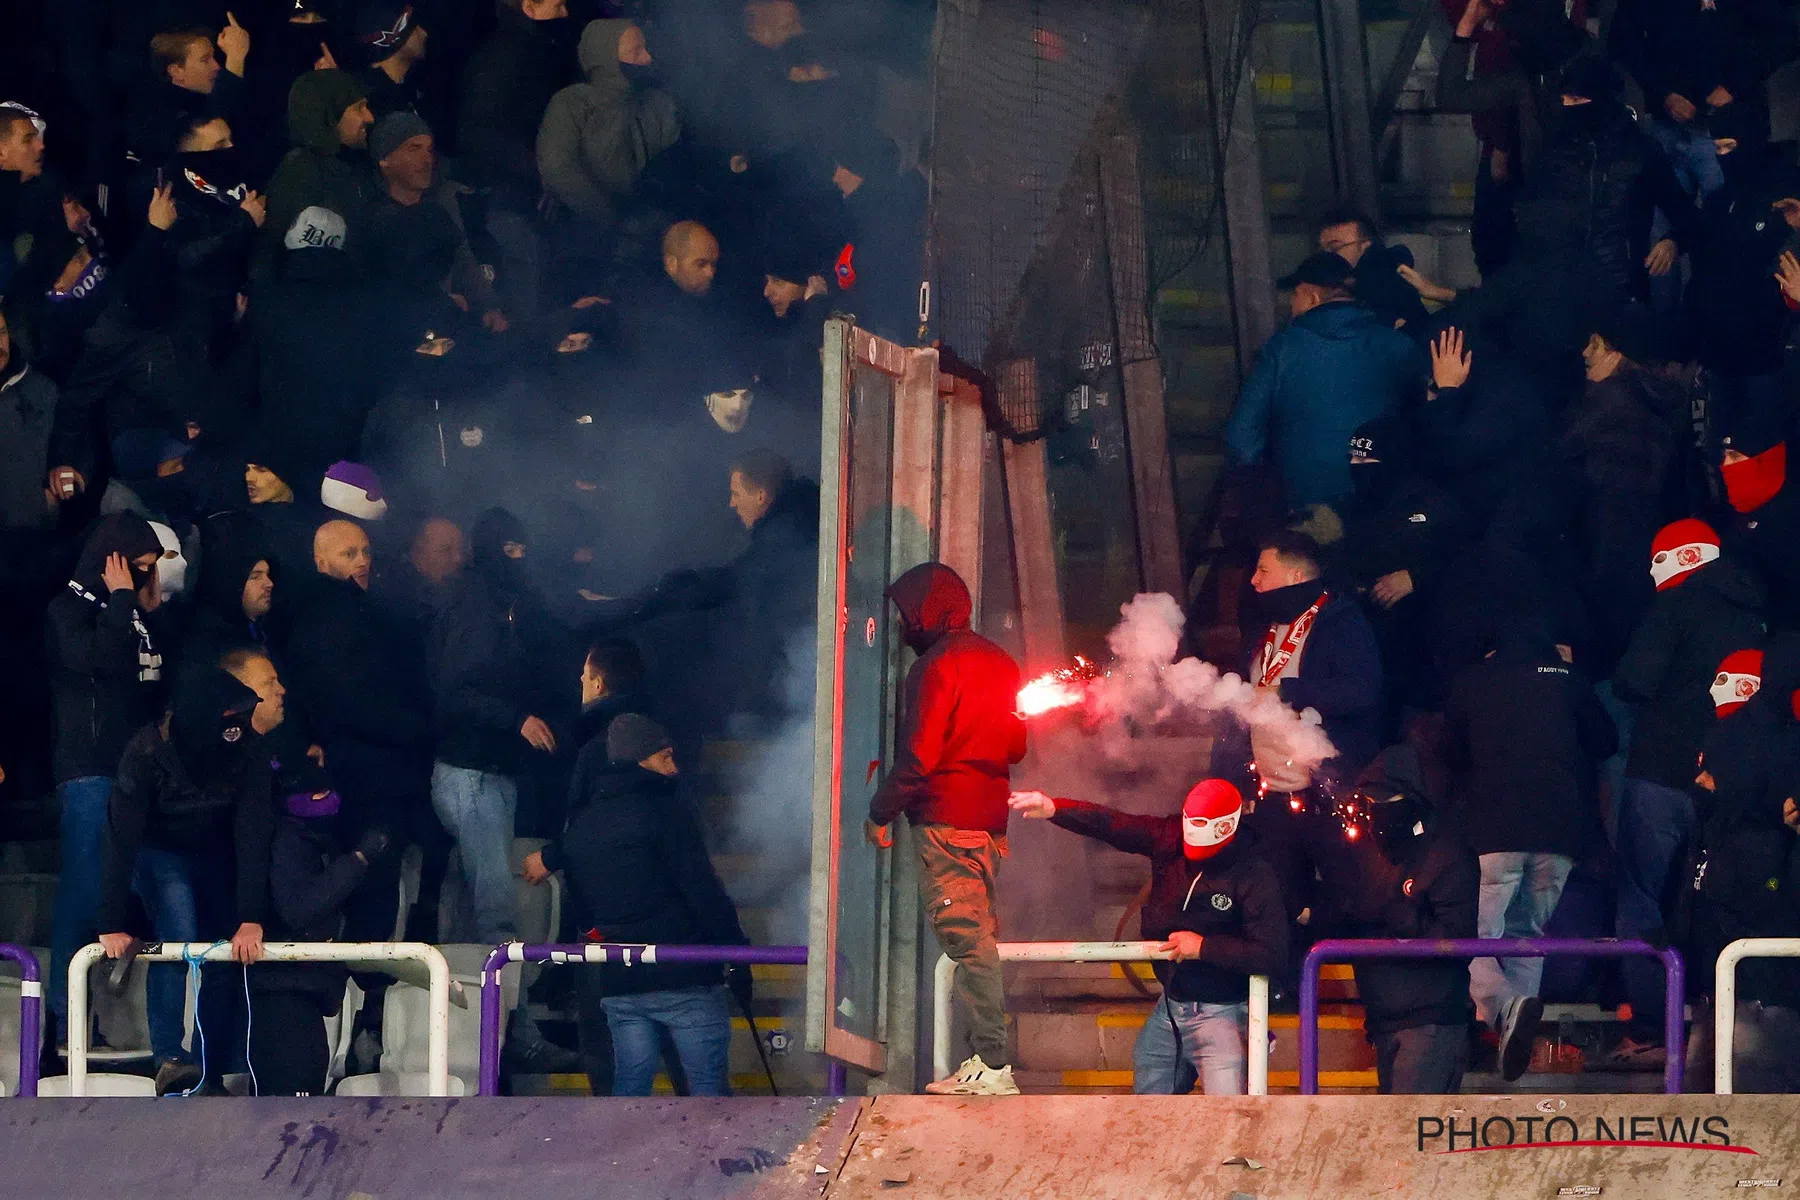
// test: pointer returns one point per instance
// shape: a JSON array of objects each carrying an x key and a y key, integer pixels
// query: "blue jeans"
[
  {"x": 477, "y": 810},
  {"x": 1519, "y": 891},
  {"x": 1654, "y": 823},
  {"x": 189, "y": 900},
  {"x": 1691, "y": 153},
  {"x": 698, "y": 1022},
  {"x": 1209, "y": 1037},
  {"x": 84, "y": 805}
]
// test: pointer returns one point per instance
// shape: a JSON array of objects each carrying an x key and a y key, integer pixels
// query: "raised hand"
[{"x": 1450, "y": 362}]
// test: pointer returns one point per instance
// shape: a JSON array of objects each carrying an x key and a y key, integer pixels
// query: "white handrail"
[
  {"x": 1125, "y": 952},
  {"x": 1725, "y": 998},
  {"x": 368, "y": 955}
]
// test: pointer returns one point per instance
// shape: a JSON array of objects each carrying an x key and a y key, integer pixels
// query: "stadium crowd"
[{"x": 365, "y": 367}]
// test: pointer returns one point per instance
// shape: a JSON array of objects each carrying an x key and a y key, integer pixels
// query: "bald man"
[
  {"x": 690, "y": 255},
  {"x": 348, "y": 678},
  {"x": 341, "y": 551}
]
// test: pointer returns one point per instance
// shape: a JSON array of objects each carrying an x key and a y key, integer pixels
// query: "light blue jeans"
[
  {"x": 477, "y": 809},
  {"x": 1209, "y": 1037},
  {"x": 1519, "y": 891},
  {"x": 699, "y": 1023}
]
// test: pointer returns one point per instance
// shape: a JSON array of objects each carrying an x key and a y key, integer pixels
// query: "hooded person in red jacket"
[{"x": 959, "y": 737}]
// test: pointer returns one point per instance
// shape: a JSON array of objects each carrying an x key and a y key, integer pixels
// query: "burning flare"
[{"x": 1061, "y": 688}]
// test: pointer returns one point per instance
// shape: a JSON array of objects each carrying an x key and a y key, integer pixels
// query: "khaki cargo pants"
[{"x": 956, "y": 889}]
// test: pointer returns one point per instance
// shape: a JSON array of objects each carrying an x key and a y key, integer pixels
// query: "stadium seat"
[
  {"x": 395, "y": 1083},
  {"x": 405, "y": 1025}
]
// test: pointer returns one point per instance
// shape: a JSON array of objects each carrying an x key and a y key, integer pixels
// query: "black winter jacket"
[
  {"x": 1232, "y": 900},
  {"x": 506, "y": 88},
  {"x": 228, "y": 821},
  {"x": 1524, "y": 733},
  {"x": 638, "y": 871},
  {"x": 490, "y": 663},
  {"x": 311, "y": 875},
  {"x": 344, "y": 675},
  {"x": 1688, "y": 49},
  {"x": 1670, "y": 662},
  {"x": 1432, "y": 894},
  {"x": 103, "y": 684}
]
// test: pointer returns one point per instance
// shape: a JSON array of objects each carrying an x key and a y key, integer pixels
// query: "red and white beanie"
[
  {"x": 1739, "y": 678},
  {"x": 1681, "y": 548}
]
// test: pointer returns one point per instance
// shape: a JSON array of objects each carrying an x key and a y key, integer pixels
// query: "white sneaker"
[{"x": 976, "y": 1078}]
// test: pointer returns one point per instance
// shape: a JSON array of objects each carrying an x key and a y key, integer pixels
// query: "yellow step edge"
[{"x": 1132, "y": 1020}]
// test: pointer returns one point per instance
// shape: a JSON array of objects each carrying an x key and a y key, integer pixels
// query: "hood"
[
  {"x": 315, "y": 102},
  {"x": 487, "y": 549},
  {"x": 209, "y": 723},
  {"x": 598, "y": 55},
  {"x": 932, "y": 601},
  {"x": 122, "y": 533},
  {"x": 223, "y": 570}
]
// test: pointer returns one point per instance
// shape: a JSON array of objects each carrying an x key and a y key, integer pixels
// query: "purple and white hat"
[{"x": 354, "y": 490}]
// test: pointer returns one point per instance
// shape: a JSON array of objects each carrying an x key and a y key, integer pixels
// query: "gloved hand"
[
  {"x": 374, "y": 844},
  {"x": 738, "y": 979}
]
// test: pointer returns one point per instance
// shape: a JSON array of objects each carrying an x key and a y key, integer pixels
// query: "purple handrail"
[
  {"x": 31, "y": 1013},
  {"x": 1346, "y": 949},
  {"x": 614, "y": 952}
]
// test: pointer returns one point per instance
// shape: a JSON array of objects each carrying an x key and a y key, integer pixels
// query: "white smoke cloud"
[{"x": 1147, "y": 688}]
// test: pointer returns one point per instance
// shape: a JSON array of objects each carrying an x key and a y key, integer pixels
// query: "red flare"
[{"x": 1062, "y": 688}]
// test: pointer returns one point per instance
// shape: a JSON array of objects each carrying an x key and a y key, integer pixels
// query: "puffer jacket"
[
  {"x": 1590, "y": 196},
  {"x": 597, "y": 137},
  {"x": 1328, "y": 372},
  {"x": 1670, "y": 661},
  {"x": 959, "y": 735}
]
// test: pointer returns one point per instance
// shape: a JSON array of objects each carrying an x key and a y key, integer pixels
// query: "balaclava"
[
  {"x": 1209, "y": 818},
  {"x": 1738, "y": 681},
  {"x": 1680, "y": 549}
]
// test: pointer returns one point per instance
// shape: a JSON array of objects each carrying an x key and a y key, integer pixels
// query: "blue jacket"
[{"x": 1314, "y": 382}]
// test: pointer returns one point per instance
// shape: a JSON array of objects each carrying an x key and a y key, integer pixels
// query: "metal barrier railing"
[
  {"x": 629, "y": 955},
  {"x": 374, "y": 956},
  {"x": 1725, "y": 998},
  {"x": 1257, "y": 1036},
  {"x": 1348, "y": 949},
  {"x": 31, "y": 1013}
]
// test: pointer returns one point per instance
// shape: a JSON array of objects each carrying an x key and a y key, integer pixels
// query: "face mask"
[
  {"x": 1373, "y": 480},
  {"x": 730, "y": 410},
  {"x": 1754, "y": 481},
  {"x": 171, "y": 568},
  {"x": 639, "y": 76}
]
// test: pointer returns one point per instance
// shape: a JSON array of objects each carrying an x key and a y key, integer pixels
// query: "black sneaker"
[
  {"x": 541, "y": 1056},
  {"x": 173, "y": 1075},
  {"x": 1518, "y": 1034}
]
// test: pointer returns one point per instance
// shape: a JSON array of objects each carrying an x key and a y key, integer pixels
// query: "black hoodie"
[
  {"x": 1523, "y": 734},
  {"x": 201, "y": 789},
  {"x": 106, "y": 671},
  {"x": 1670, "y": 662}
]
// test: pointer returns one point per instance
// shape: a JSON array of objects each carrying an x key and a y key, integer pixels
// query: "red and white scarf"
[{"x": 1272, "y": 662}]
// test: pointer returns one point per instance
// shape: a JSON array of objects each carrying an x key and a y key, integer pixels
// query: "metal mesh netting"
[
  {"x": 1047, "y": 113},
  {"x": 1019, "y": 85}
]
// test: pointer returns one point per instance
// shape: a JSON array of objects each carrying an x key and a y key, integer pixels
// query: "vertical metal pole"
[
  {"x": 78, "y": 1016},
  {"x": 31, "y": 1014},
  {"x": 488, "y": 1083},
  {"x": 1346, "y": 61},
  {"x": 1724, "y": 1017},
  {"x": 1257, "y": 1035},
  {"x": 1247, "y": 223},
  {"x": 1674, "y": 996},
  {"x": 836, "y": 1078},
  {"x": 1309, "y": 1023}
]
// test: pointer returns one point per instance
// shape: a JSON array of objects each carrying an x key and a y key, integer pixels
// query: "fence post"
[{"x": 31, "y": 1014}]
